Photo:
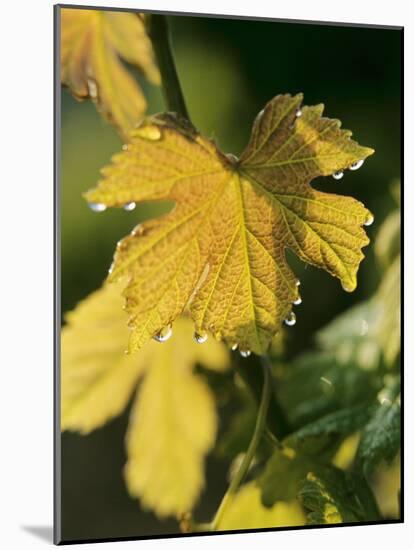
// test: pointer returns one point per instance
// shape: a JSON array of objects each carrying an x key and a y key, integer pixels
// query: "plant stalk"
[
  {"x": 259, "y": 431},
  {"x": 174, "y": 99},
  {"x": 161, "y": 41}
]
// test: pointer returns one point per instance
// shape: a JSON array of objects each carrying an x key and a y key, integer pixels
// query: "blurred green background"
[{"x": 229, "y": 69}]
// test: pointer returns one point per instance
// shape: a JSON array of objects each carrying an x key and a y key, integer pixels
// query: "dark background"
[{"x": 229, "y": 69}]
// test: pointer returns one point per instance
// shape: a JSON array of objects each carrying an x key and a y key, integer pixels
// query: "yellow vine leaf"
[
  {"x": 245, "y": 511},
  {"x": 97, "y": 377},
  {"x": 173, "y": 421},
  {"x": 93, "y": 43},
  {"x": 221, "y": 251}
]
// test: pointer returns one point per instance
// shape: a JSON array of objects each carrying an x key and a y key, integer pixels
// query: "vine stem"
[
  {"x": 259, "y": 431},
  {"x": 158, "y": 31},
  {"x": 157, "y": 27}
]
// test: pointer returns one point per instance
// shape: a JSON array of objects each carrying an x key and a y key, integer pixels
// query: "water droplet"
[
  {"x": 153, "y": 133},
  {"x": 245, "y": 352},
  {"x": 298, "y": 113},
  {"x": 338, "y": 175},
  {"x": 347, "y": 288},
  {"x": 97, "y": 206},
  {"x": 121, "y": 245},
  {"x": 234, "y": 347},
  {"x": 232, "y": 158},
  {"x": 200, "y": 338},
  {"x": 92, "y": 88},
  {"x": 138, "y": 230},
  {"x": 356, "y": 165},
  {"x": 129, "y": 206},
  {"x": 290, "y": 319},
  {"x": 125, "y": 147},
  {"x": 369, "y": 221},
  {"x": 298, "y": 301},
  {"x": 297, "y": 283},
  {"x": 164, "y": 334}
]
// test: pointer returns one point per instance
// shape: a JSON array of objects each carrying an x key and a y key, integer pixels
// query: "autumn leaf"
[
  {"x": 97, "y": 377},
  {"x": 173, "y": 422},
  {"x": 93, "y": 42},
  {"x": 246, "y": 511},
  {"x": 221, "y": 251}
]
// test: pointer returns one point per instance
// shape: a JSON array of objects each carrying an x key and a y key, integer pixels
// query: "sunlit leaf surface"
[
  {"x": 245, "y": 511},
  {"x": 221, "y": 250}
]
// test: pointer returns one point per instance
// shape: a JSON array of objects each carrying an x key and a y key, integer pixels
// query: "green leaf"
[
  {"x": 388, "y": 239},
  {"x": 307, "y": 449},
  {"x": 381, "y": 438},
  {"x": 388, "y": 326},
  {"x": 334, "y": 496},
  {"x": 221, "y": 251},
  {"x": 372, "y": 329},
  {"x": 352, "y": 336},
  {"x": 315, "y": 384},
  {"x": 282, "y": 475},
  {"x": 322, "y": 437}
]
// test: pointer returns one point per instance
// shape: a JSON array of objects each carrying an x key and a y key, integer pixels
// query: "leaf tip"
[{"x": 349, "y": 285}]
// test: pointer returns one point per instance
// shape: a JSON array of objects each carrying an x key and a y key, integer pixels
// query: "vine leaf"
[
  {"x": 173, "y": 421},
  {"x": 333, "y": 496},
  {"x": 282, "y": 475},
  {"x": 381, "y": 437},
  {"x": 221, "y": 250},
  {"x": 93, "y": 43},
  {"x": 245, "y": 511}
]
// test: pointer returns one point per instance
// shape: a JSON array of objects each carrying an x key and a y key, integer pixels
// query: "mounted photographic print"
[{"x": 228, "y": 274}]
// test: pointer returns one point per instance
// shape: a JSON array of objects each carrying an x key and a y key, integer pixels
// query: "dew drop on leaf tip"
[
  {"x": 129, "y": 206},
  {"x": 200, "y": 338},
  {"x": 290, "y": 319},
  {"x": 369, "y": 221},
  {"x": 297, "y": 302},
  {"x": 164, "y": 334},
  {"x": 97, "y": 206},
  {"x": 234, "y": 347},
  {"x": 338, "y": 175},
  {"x": 298, "y": 113},
  {"x": 347, "y": 288},
  {"x": 245, "y": 352},
  {"x": 356, "y": 165}
]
